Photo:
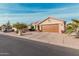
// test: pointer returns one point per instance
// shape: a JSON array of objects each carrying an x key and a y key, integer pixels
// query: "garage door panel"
[{"x": 50, "y": 28}]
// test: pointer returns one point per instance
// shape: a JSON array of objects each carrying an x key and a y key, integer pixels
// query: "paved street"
[{"x": 22, "y": 47}]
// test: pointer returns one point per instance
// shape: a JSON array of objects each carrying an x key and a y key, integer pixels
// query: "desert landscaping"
[{"x": 68, "y": 38}]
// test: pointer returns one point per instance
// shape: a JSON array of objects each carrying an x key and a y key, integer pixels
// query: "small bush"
[{"x": 32, "y": 28}]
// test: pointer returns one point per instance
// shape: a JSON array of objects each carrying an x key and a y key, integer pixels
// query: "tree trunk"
[{"x": 20, "y": 32}]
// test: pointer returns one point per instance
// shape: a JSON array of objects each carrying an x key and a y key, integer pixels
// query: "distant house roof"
[{"x": 39, "y": 22}]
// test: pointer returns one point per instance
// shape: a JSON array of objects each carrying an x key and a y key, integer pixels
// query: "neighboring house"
[{"x": 50, "y": 24}]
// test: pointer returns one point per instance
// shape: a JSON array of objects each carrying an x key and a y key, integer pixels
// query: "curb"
[{"x": 67, "y": 46}]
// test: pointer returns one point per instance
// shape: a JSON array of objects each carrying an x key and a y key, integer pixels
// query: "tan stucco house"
[{"x": 50, "y": 24}]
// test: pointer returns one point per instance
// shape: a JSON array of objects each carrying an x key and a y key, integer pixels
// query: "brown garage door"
[{"x": 50, "y": 28}]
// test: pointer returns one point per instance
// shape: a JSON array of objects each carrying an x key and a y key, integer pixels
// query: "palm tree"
[
  {"x": 73, "y": 26},
  {"x": 20, "y": 27},
  {"x": 69, "y": 28}
]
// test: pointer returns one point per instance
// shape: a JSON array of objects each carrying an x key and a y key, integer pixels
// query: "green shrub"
[{"x": 32, "y": 28}]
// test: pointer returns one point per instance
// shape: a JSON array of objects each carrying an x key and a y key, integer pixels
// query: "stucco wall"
[{"x": 53, "y": 21}]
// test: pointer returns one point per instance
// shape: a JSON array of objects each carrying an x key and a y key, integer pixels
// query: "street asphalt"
[{"x": 13, "y": 46}]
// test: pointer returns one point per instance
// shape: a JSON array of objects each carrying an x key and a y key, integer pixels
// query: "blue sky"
[{"x": 30, "y": 12}]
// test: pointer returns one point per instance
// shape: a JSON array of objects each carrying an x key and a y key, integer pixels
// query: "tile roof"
[{"x": 38, "y": 22}]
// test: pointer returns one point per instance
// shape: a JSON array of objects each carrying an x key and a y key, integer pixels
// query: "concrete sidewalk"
[{"x": 51, "y": 38}]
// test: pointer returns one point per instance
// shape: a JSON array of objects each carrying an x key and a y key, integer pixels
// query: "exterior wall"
[
  {"x": 51, "y": 21},
  {"x": 29, "y": 27}
]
